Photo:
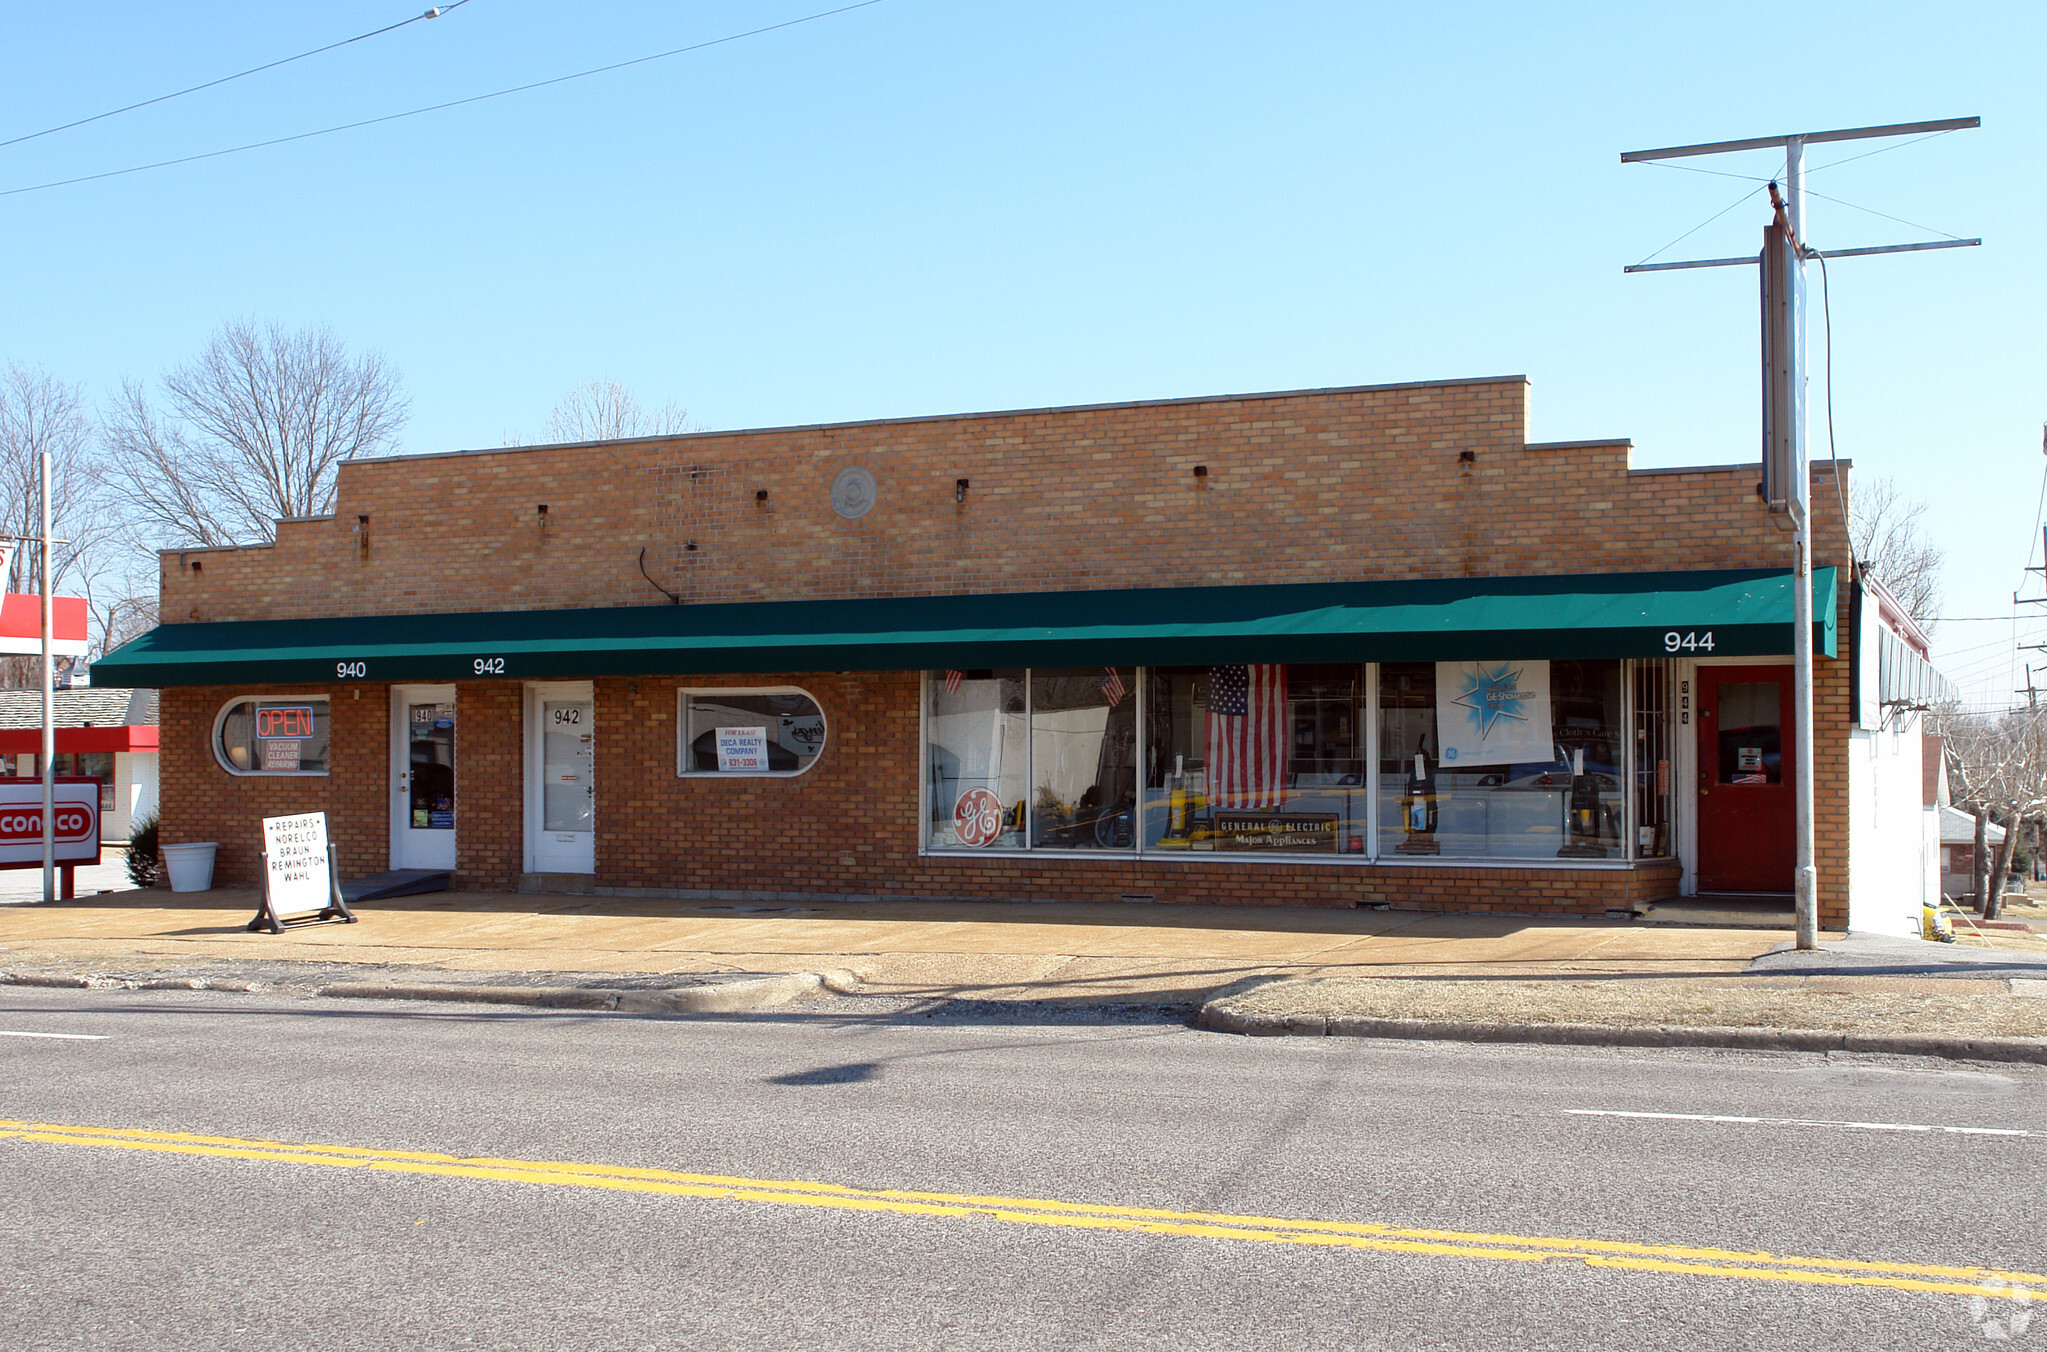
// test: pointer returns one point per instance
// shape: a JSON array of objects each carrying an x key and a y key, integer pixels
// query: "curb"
[
  {"x": 114, "y": 983},
  {"x": 726, "y": 998},
  {"x": 1218, "y": 1017}
]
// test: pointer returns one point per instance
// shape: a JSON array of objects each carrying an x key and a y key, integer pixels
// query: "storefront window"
[
  {"x": 280, "y": 735},
  {"x": 977, "y": 751},
  {"x": 1084, "y": 758},
  {"x": 779, "y": 731},
  {"x": 1476, "y": 760},
  {"x": 1501, "y": 760},
  {"x": 1260, "y": 759}
]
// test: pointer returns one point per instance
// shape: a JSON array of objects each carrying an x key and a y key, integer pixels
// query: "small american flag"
[
  {"x": 1111, "y": 683},
  {"x": 1247, "y": 736},
  {"x": 952, "y": 682}
]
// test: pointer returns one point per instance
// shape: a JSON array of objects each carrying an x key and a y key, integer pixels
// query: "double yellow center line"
[{"x": 1595, "y": 1253}]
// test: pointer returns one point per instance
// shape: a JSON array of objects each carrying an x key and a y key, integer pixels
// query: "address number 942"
[{"x": 1689, "y": 641}]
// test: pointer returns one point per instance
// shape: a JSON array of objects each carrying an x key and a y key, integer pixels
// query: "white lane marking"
[
  {"x": 69, "y": 1037},
  {"x": 1803, "y": 1122}
]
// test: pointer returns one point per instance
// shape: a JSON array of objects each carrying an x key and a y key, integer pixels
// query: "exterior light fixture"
[{"x": 959, "y": 490}]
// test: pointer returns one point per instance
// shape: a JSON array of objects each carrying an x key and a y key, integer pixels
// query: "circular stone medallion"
[{"x": 853, "y": 492}]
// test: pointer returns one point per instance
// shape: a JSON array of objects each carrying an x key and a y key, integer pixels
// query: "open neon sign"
[{"x": 283, "y": 721}]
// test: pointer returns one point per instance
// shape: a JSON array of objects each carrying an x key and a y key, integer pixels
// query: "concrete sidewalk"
[
  {"x": 964, "y": 950},
  {"x": 1244, "y": 969}
]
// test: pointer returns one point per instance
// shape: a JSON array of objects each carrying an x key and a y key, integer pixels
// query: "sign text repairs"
[{"x": 295, "y": 863}]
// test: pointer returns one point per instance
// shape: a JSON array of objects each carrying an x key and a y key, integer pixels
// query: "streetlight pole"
[{"x": 49, "y": 756}]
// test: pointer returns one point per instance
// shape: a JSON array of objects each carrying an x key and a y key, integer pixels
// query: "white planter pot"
[{"x": 190, "y": 866}]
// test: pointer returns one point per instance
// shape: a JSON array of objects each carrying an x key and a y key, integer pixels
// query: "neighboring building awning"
[
  {"x": 1722, "y": 613},
  {"x": 70, "y": 741}
]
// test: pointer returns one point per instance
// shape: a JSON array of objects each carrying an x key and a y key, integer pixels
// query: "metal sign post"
[
  {"x": 1787, "y": 479},
  {"x": 49, "y": 759}
]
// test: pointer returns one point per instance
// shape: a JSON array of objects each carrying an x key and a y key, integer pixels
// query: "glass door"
[
  {"x": 561, "y": 783},
  {"x": 423, "y": 776}
]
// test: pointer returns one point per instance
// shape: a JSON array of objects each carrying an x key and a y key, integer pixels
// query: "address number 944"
[{"x": 1689, "y": 641}]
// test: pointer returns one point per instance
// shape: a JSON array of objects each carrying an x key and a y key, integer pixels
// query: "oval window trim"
[
  {"x": 682, "y": 739},
  {"x": 219, "y": 753}
]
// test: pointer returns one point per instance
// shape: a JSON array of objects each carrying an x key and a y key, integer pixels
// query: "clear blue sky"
[{"x": 924, "y": 207}]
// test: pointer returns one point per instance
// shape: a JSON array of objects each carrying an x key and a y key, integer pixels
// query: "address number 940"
[
  {"x": 1690, "y": 641},
  {"x": 351, "y": 671}
]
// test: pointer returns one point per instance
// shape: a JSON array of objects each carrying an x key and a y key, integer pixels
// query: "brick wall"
[{"x": 1314, "y": 486}]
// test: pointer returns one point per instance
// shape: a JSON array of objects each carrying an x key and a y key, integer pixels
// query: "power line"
[
  {"x": 1931, "y": 230},
  {"x": 439, "y": 107},
  {"x": 1716, "y": 173},
  {"x": 1835, "y": 164},
  {"x": 1695, "y": 229},
  {"x": 433, "y": 13}
]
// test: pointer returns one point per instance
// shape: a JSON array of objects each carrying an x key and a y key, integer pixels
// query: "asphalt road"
[{"x": 482, "y": 1178}]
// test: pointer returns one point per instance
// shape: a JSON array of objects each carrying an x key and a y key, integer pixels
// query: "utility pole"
[
  {"x": 1787, "y": 478},
  {"x": 49, "y": 756}
]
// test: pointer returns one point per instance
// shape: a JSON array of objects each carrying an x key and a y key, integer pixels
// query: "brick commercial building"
[{"x": 1329, "y": 647}]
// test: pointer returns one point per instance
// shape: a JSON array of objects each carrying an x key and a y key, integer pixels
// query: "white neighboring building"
[
  {"x": 1895, "y": 842},
  {"x": 110, "y": 734}
]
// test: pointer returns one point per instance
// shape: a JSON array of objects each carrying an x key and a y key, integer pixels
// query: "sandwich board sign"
[{"x": 299, "y": 882}]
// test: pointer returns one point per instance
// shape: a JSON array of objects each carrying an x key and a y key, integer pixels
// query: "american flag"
[
  {"x": 1247, "y": 736},
  {"x": 1111, "y": 683},
  {"x": 952, "y": 682}
]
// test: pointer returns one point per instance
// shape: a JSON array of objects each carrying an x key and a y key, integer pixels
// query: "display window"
[
  {"x": 1257, "y": 759},
  {"x": 977, "y": 759},
  {"x": 1507, "y": 760},
  {"x": 1500, "y": 760},
  {"x": 1084, "y": 758},
  {"x": 273, "y": 735},
  {"x": 777, "y": 730}
]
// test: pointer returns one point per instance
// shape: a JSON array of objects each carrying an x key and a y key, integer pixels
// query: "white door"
[
  {"x": 561, "y": 785},
  {"x": 423, "y": 776}
]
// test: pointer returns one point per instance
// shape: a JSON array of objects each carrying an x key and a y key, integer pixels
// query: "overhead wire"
[
  {"x": 1850, "y": 159},
  {"x": 1931, "y": 230},
  {"x": 1701, "y": 225},
  {"x": 440, "y": 107},
  {"x": 434, "y": 13}
]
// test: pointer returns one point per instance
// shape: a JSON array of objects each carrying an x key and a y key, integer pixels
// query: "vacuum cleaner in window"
[
  {"x": 1581, "y": 814},
  {"x": 1418, "y": 810}
]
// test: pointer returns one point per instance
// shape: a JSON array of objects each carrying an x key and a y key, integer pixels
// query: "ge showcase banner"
[{"x": 1493, "y": 713}]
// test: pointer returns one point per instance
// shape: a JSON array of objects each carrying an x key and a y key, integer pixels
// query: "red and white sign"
[
  {"x": 977, "y": 817},
  {"x": 21, "y": 821},
  {"x": 21, "y": 625}
]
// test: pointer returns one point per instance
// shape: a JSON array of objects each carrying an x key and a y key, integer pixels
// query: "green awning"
[{"x": 1732, "y": 612}]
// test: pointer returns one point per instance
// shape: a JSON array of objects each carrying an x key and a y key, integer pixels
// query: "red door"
[{"x": 1748, "y": 839}]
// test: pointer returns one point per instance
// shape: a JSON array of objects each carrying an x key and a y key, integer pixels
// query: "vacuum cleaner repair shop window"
[{"x": 1474, "y": 760}]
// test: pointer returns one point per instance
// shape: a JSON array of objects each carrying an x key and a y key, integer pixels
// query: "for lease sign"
[
  {"x": 77, "y": 816},
  {"x": 742, "y": 749}
]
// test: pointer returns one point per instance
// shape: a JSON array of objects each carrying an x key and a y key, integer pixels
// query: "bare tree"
[
  {"x": 1891, "y": 541},
  {"x": 251, "y": 431},
  {"x": 39, "y": 413},
  {"x": 604, "y": 410},
  {"x": 2000, "y": 771}
]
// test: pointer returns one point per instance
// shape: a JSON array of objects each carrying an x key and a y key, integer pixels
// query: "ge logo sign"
[{"x": 977, "y": 817}]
